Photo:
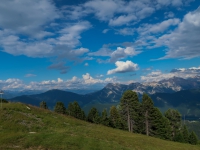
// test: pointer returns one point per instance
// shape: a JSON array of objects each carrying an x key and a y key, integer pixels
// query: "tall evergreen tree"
[
  {"x": 43, "y": 105},
  {"x": 83, "y": 116},
  {"x": 178, "y": 136},
  {"x": 147, "y": 109},
  {"x": 77, "y": 112},
  {"x": 160, "y": 126},
  {"x": 70, "y": 109},
  {"x": 104, "y": 118},
  {"x": 175, "y": 120},
  {"x": 60, "y": 108},
  {"x": 115, "y": 118},
  {"x": 185, "y": 134},
  {"x": 193, "y": 138},
  {"x": 129, "y": 104},
  {"x": 93, "y": 116}
]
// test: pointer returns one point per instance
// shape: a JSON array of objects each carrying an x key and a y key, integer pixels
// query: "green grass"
[{"x": 54, "y": 131}]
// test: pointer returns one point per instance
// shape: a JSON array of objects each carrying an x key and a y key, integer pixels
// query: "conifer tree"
[
  {"x": 83, "y": 117},
  {"x": 93, "y": 116},
  {"x": 175, "y": 120},
  {"x": 77, "y": 112},
  {"x": 60, "y": 108},
  {"x": 193, "y": 138},
  {"x": 185, "y": 134},
  {"x": 147, "y": 109},
  {"x": 115, "y": 118},
  {"x": 129, "y": 109},
  {"x": 160, "y": 126},
  {"x": 178, "y": 136},
  {"x": 43, "y": 105},
  {"x": 104, "y": 118},
  {"x": 70, "y": 109}
]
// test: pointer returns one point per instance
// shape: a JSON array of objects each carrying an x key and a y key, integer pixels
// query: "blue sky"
[{"x": 47, "y": 44}]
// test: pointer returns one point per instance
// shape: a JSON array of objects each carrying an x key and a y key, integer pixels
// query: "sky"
[{"x": 86, "y": 44}]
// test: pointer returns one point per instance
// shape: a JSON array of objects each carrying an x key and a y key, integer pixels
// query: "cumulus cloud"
[
  {"x": 118, "y": 54},
  {"x": 123, "y": 67},
  {"x": 184, "y": 42},
  {"x": 121, "y": 53},
  {"x": 70, "y": 35},
  {"x": 87, "y": 81},
  {"x": 17, "y": 16},
  {"x": 120, "y": 12},
  {"x": 180, "y": 72}
]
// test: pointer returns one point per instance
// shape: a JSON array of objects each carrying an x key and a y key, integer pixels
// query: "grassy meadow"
[{"x": 28, "y": 127}]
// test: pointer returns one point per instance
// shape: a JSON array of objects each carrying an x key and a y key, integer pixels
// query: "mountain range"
[{"x": 174, "y": 92}]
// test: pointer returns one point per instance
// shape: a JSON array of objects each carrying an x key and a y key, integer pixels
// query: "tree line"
[{"x": 134, "y": 116}]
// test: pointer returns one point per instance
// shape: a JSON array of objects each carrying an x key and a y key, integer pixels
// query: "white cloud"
[
  {"x": 30, "y": 75},
  {"x": 118, "y": 54},
  {"x": 17, "y": 16},
  {"x": 121, "y": 20},
  {"x": 120, "y": 12},
  {"x": 100, "y": 76},
  {"x": 60, "y": 66},
  {"x": 105, "y": 31},
  {"x": 180, "y": 72},
  {"x": 70, "y": 35},
  {"x": 184, "y": 42},
  {"x": 86, "y": 64},
  {"x": 126, "y": 31},
  {"x": 169, "y": 14},
  {"x": 121, "y": 53},
  {"x": 159, "y": 27},
  {"x": 123, "y": 67},
  {"x": 87, "y": 81},
  {"x": 103, "y": 9},
  {"x": 63, "y": 46},
  {"x": 102, "y": 52}
]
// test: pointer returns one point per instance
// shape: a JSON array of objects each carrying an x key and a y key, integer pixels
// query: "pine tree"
[
  {"x": 160, "y": 126},
  {"x": 43, "y": 105},
  {"x": 104, "y": 118},
  {"x": 70, "y": 109},
  {"x": 115, "y": 118},
  {"x": 77, "y": 112},
  {"x": 185, "y": 134},
  {"x": 178, "y": 136},
  {"x": 83, "y": 117},
  {"x": 93, "y": 116},
  {"x": 147, "y": 109},
  {"x": 60, "y": 108},
  {"x": 129, "y": 109},
  {"x": 193, "y": 138},
  {"x": 175, "y": 120}
]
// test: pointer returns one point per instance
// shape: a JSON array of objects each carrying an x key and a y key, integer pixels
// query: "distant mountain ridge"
[
  {"x": 160, "y": 92},
  {"x": 52, "y": 96},
  {"x": 112, "y": 92}
]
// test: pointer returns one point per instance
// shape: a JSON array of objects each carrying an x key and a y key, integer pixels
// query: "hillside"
[
  {"x": 52, "y": 96},
  {"x": 28, "y": 127},
  {"x": 186, "y": 101}
]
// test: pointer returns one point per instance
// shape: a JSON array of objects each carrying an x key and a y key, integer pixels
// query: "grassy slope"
[{"x": 54, "y": 131}]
